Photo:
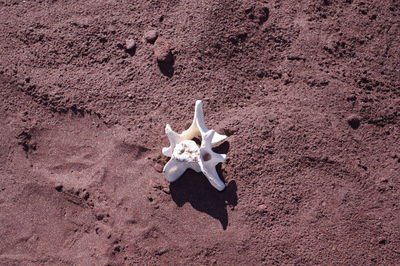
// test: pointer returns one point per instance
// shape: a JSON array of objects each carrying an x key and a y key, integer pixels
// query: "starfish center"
[{"x": 186, "y": 151}]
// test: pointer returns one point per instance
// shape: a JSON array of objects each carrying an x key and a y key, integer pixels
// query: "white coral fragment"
[{"x": 185, "y": 153}]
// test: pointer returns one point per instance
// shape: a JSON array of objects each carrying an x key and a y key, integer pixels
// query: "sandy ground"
[{"x": 307, "y": 91}]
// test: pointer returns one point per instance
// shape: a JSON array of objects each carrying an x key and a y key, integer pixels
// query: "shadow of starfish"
[{"x": 194, "y": 188}]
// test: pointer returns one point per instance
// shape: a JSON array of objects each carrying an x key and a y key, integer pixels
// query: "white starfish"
[{"x": 185, "y": 153}]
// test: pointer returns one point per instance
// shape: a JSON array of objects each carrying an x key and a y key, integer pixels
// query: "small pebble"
[
  {"x": 130, "y": 44},
  {"x": 262, "y": 208},
  {"x": 166, "y": 190},
  {"x": 158, "y": 167},
  {"x": 86, "y": 195},
  {"x": 151, "y": 36},
  {"x": 59, "y": 187},
  {"x": 354, "y": 121},
  {"x": 21, "y": 82},
  {"x": 382, "y": 241},
  {"x": 162, "y": 51},
  {"x": 384, "y": 180}
]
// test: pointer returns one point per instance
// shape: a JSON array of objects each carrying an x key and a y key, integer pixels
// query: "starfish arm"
[
  {"x": 174, "y": 169},
  {"x": 195, "y": 167},
  {"x": 167, "y": 151},
  {"x": 217, "y": 157},
  {"x": 199, "y": 118},
  {"x": 190, "y": 133},
  {"x": 212, "y": 157},
  {"x": 206, "y": 150},
  {"x": 210, "y": 172},
  {"x": 197, "y": 127},
  {"x": 173, "y": 138},
  {"x": 207, "y": 139},
  {"x": 217, "y": 138}
]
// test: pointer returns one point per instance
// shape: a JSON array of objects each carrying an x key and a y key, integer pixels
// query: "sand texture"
[{"x": 308, "y": 93}]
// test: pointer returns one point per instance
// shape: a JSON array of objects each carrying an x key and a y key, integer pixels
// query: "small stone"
[
  {"x": 59, "y": 188},
  {"x": 382, "y": 241},
  {"x": 354, "y": 121},
  {"x": 161, "y": 252},
  {"x": 166, "y": 190},
  {"x": 100, "y": 217},
  {"x": 384, "y": 180},
  {"x": 158, "y": 167},
  {"x": 151, "y": 36},
  {"x": 351, "y": 98},
  {"x": 162, "y": 52},
  {"x": 86, "y": 195},
  {"x": 262, "y": 208},
  {"x": 130, "y": 44},
  {"x": 21, "y": 82},
  {"x": 131, "y": 221}
]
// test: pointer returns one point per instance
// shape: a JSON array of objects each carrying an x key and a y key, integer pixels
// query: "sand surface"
[{"x": 307, "y": 91}]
